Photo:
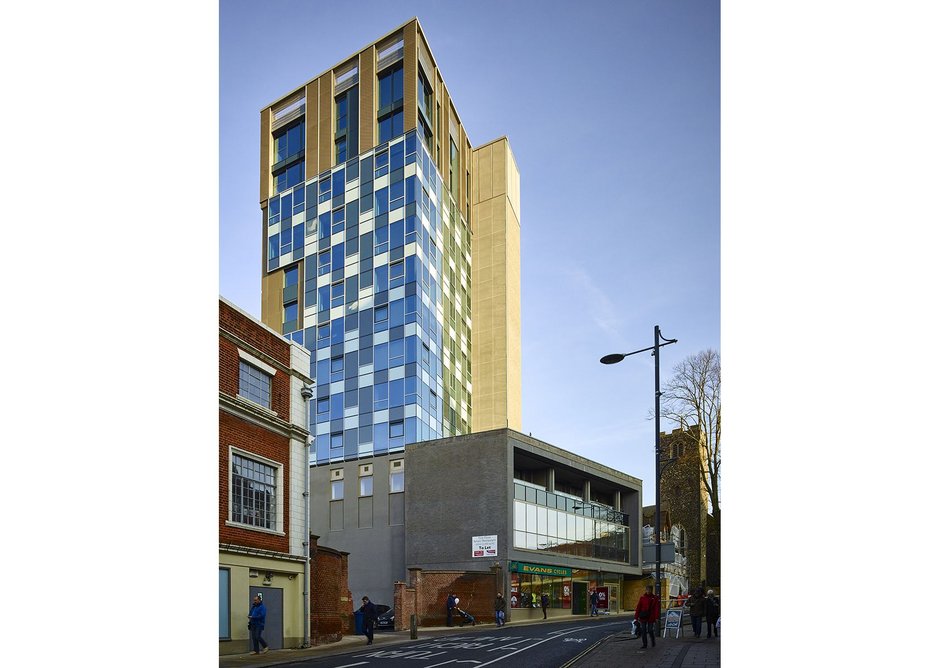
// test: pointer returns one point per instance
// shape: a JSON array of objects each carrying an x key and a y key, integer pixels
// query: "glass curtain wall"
[{"x": 374, "y": 236}]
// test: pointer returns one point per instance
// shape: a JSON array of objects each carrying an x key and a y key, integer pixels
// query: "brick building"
[{"x": 263, "y": 458}]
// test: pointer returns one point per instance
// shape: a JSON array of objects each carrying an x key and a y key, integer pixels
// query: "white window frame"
[{"x": 278, "y": 491}]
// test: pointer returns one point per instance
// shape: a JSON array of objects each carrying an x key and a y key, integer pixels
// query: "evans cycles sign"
[{"x": 539, "y": 569}]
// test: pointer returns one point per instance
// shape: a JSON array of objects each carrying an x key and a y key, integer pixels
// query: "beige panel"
[
  {"x": 367, "y": 94},
  {"x": 466, "y": 161},
  {"x": 496, "y": 293},
  {"x": 272, "y": 299},
  {"x": 410, "y": 76},
  {"x": 326, "y": 123},
  {"x": 513, "y": 183},
  {"x": 309, "y": 131},
  {"x": 513, "y": 274},
  {"x": 265, "y": 189}
]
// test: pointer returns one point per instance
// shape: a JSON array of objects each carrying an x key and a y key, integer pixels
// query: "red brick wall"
[
  {"x": 330, "y": 598},
  {"x": 228, "y": 372},
  {"x": 248, "y": 330},
  {"x": 476, "y": 591},
  {"x": 233, "y": 431}
]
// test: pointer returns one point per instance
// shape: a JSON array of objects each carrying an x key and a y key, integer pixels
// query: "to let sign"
[{"x": 485, "y": 546}]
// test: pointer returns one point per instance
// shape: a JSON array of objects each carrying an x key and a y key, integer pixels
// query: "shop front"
[{"x": 568, "y": 590}]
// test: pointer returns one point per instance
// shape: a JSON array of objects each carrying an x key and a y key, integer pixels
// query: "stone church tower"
[{"x": 685, "y": 507}]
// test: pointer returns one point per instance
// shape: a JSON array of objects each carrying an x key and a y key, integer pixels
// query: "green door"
[{"x": 579, "y": 601}]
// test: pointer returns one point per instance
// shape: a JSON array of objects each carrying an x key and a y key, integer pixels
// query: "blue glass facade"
[{"x": 372, "y": 238}]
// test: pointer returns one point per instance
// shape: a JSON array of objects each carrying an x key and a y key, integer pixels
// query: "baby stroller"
[{"x": 467, "y": 618}]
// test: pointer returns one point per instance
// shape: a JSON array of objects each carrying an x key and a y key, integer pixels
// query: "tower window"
[{"x": 391, "y": 103}]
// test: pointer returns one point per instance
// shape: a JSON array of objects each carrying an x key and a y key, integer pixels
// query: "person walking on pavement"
[
  {"x": 370, "y": 615},
  {"x": 544, "y": 604},
  {"x": 647, "y": 614},
  {"x": 451, "y": 604},
  {"x": 697, "y": 607},
  {"x": 594, "y": 601},
  {"x": 256, "y": 618},
  {"x": 712, "y": 611},
  {"x": 500, "y": 609}
]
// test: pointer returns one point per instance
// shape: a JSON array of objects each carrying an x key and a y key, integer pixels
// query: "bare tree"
[{"x": 692, "y": 396}]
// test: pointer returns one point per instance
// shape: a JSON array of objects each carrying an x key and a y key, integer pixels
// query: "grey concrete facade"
[
  {"x": 463, "y": 487},
  {"x": 370, "y": 528},
  {"x": 456, "y": 489}
]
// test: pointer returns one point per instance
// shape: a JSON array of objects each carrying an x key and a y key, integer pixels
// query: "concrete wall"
[
  {"x": 362, "y": 526},
  {"x": 457, "y": 488}
]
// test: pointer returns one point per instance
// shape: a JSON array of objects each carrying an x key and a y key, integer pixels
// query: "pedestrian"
[
  {"x": 647, "y": 614},
  {"x": 256, "y": 618},
  {"x": 544, "y": 604},
  {"x": 594, "y": 601},
  {"x": 370, "y": 615},
  {"x": 712, "y": 612},
  {"x": 451, "y": 604},
  {"x": 500, "y": 609},
  {"x": 697, "y": 607}
]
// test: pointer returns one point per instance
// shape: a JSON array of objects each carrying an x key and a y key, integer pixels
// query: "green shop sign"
[{"x": 539, "y": 569}]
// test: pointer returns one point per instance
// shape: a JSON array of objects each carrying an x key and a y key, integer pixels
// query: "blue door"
[{"x": 274, "y": 624}]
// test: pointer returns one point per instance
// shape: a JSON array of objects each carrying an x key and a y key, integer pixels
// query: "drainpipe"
[{"x": 307, "y": 392}]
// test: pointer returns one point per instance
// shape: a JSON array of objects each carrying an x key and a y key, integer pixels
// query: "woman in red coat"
[{"x": 647, "y": 613}]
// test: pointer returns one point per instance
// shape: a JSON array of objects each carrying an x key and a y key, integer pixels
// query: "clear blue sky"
[{"x": 613, "y": 112}]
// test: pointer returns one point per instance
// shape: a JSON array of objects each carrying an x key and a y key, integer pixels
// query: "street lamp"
[
  {"x": 618, "y": 357},
  {"x": 307, "y": 393}
]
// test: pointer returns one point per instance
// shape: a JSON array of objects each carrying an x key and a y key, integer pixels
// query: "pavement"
[
  {"x": 624, "y": 649},
  {"x": 619, "y": 649}
]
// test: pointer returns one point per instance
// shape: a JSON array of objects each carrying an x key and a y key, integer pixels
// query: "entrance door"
[
  {"x": 274, "y": 623},
  {"x": 579, "y": 600}
]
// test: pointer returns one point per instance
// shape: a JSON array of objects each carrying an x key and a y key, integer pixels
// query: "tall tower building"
[{"x": 392, "y": 253}]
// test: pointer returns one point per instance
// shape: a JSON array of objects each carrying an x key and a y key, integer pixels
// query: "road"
[{"x": 545, "y": 645}]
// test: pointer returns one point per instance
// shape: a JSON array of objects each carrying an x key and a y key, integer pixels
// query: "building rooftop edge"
[
  {"x": 507, "y": 142},
  {"x": 531, "y": 440},
  {"x": 346, "y": 59},
  {"x": 391, "y": 32},
  {"x": 261, "y": 324}
]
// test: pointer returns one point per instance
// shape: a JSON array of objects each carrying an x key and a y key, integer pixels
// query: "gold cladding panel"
[
  {"x": 265, "y": 189},
  {"x": 325, "y": 122},
  {"x": 367, "y": 109},
  {"x": 496, "y": 295},
  {"x": 272, "y": 299}
]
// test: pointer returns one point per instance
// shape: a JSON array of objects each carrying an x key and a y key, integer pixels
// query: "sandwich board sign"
[{"x": 672, "y": 621}]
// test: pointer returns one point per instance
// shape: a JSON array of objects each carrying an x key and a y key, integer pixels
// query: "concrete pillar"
[{"x": 549, "y": 483}]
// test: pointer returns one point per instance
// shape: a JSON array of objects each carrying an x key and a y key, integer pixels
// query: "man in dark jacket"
[
  {"x": 370, "y": 615},
  {"x": 697, "y": 607},
  {"x": 500, "y": 609},
  {"x": 594, "y": 602},
  {"x": 712, "y": 611},
  {"x": 647, "y": 613},
  {"x": 256, "y": 618},
  {"x": 545, "y": 601}
]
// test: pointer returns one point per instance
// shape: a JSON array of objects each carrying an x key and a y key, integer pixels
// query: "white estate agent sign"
[{"x": 485, "y": 546}]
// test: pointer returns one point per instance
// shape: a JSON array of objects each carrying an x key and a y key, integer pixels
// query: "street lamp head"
[{"x": 612, "y": 358}]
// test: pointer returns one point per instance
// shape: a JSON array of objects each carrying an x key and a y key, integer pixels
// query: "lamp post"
[
  {"x": 618, "y": 357},
  {"x": 307, "y": 393}
]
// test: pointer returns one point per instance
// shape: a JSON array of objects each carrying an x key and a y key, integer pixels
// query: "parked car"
[{"x": 386, "y": 619}]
